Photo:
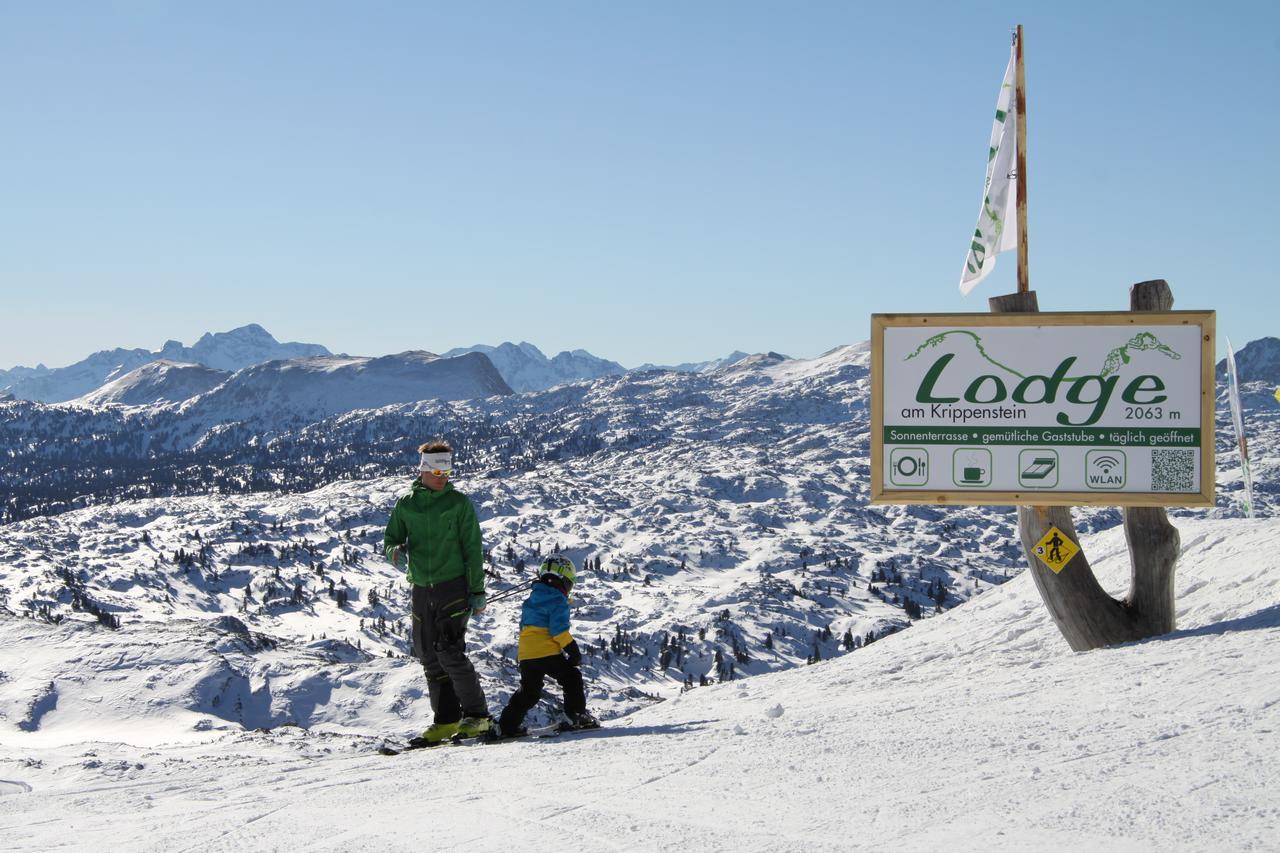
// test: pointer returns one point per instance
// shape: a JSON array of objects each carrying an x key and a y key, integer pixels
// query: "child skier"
[{"x": 547, "y": 649}]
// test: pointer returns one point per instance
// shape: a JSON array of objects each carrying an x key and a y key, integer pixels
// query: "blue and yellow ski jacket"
[{"x": 544, "y": 622}]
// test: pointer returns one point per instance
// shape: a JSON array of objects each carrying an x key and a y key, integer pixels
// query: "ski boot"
[
  {"x": 580, "y": 721},
  {"x": 497, "y": 734},
  {"x": 471, "y": 727},
  {"x": 436, "y": 734}
]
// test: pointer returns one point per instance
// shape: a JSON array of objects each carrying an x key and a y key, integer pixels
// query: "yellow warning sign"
[{"x": 1055, "y": 550}]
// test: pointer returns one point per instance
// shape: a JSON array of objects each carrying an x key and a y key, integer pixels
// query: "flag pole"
[{"x": 1020, "y": 96}]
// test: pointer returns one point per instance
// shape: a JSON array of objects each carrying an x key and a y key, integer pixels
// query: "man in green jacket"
[{"x": 434, "y": 531}]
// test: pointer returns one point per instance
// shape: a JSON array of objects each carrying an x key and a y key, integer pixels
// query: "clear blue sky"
[{"x": 656, "y": 181}]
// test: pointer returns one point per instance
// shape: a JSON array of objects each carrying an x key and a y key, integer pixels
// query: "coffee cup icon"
[{"x": 971, "y": 467}]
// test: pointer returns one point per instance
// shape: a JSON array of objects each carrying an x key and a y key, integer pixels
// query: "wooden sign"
[{"x": 1111, "y": 408}]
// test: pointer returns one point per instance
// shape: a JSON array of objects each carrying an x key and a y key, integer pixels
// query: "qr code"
[{"x": 1173, "y": 470}]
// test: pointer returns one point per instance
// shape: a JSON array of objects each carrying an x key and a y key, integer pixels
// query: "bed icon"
[{"x": 1038, "y": 468}]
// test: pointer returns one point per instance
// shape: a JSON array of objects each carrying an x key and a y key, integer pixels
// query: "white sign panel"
[{"x": 1043, "y": 408}]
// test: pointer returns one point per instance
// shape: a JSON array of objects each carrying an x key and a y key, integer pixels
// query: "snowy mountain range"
[
  {"x": 227, "y": 351},
  {"x": 296, "y": 390},
  {"x": 525, "y": 368},
  {"x": 141, "y": 377},
  {"x": 314, "y": 388}
]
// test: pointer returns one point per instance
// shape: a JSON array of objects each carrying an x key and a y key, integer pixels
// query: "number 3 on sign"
[{"x": 1055, "y": 550}]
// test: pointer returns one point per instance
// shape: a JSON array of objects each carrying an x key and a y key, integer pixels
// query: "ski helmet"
[{"x": 560, "y": 566}]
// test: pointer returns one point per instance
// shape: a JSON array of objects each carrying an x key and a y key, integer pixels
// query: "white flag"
[
  {"x": 997, "y": 221},
  {"x": 1237, "y": 419}
]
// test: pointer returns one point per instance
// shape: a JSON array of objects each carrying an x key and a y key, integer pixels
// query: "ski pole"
[{"x": 510, "y": 592}]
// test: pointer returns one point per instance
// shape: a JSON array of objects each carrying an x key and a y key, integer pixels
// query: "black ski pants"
[
  {"x": 533, "y": 674},
  {"x": 440, "y": 617}
]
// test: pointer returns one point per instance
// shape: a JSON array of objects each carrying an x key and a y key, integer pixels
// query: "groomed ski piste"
[{"x": 977, "y": 729}]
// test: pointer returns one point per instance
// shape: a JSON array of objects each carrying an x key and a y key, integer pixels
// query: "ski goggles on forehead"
[{"x": 435, "y": 464}]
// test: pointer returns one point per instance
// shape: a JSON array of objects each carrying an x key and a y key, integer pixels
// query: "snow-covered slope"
[
  {"x": 229, "y": 351},
  {"x": 525, "y": 368},
  {"x": 55, "y": 385},
  {"x": 308, "y": 389},
  {"x": 157, "y": 382},
  {"x": 977, "y": 730},
  {"x": 727, "y": 512},
  {"x": 705, "y": 575}
]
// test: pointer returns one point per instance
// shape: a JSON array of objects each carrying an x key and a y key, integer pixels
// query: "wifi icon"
[
  {"x": 1104, "y": 469},
  {"x": 1105, "y": 464}
]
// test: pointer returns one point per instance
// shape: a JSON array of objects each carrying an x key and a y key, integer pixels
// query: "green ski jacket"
[{"x": 440, "y": 535}]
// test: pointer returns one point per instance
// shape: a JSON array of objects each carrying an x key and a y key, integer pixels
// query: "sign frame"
[{"x": 1206, "y": 320}]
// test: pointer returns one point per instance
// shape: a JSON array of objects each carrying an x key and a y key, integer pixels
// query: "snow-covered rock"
[
  {"x": 239, "y": 348},
  {"x": 1256, "y": 361}
]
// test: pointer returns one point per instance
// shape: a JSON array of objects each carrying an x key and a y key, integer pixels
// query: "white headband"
[{"x": 441, "y": 461}]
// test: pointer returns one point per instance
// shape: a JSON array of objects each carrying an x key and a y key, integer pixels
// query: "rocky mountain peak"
[{"x": 1256, "y": 361}]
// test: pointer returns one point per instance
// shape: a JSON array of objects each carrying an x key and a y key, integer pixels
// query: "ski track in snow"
[{"x": 976, "y": 730}]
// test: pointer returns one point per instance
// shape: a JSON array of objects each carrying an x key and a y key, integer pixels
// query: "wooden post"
[
  {"x": 1086, "y": 615},
  {"x": 1154, "y": 543},
  {"x": 1020, "y": 107}
]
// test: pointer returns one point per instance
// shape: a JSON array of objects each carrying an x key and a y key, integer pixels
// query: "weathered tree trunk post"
[
  {"x": 1087, "y": 617},
  {"x": 1154, "y": 543}
]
